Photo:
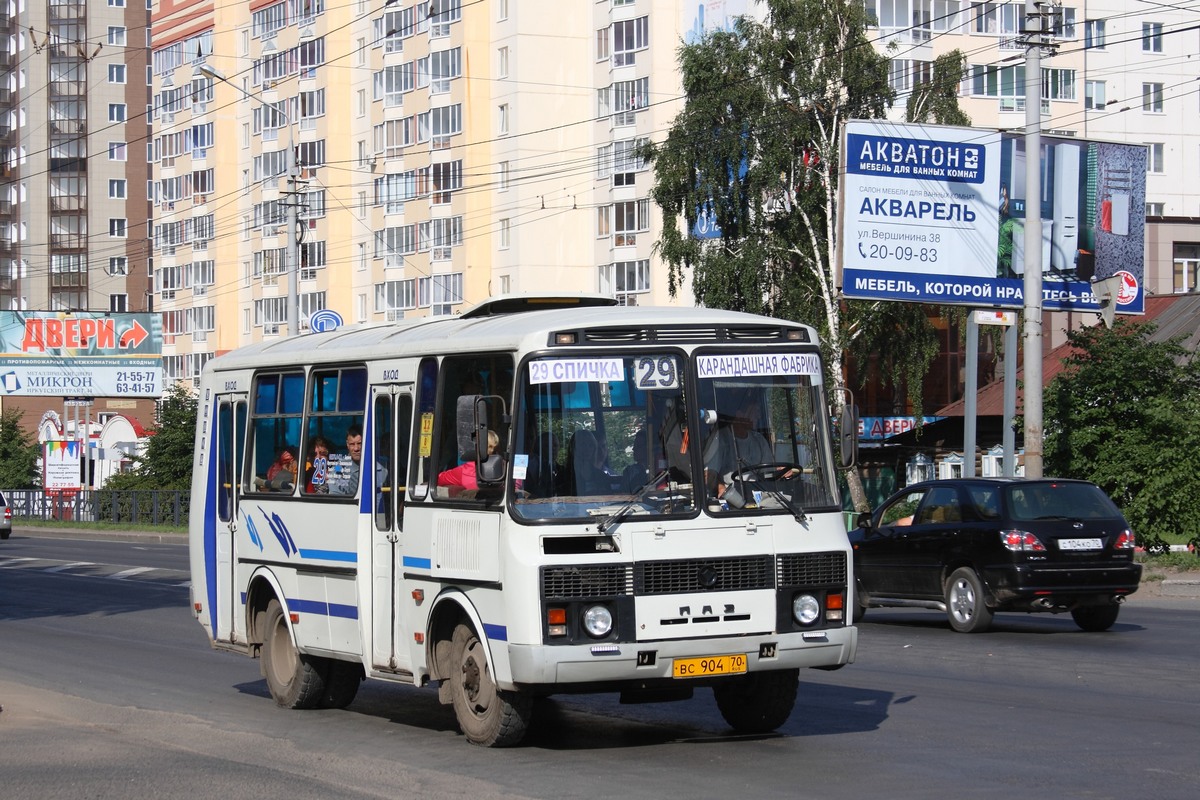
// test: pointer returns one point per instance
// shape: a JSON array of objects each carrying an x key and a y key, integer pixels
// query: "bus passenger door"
[
  {"x": 231, "y": 433},
  {"x": 392, "y": 428}
]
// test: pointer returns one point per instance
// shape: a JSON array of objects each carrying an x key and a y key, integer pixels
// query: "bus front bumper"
[{"x": 575, "y": 667}]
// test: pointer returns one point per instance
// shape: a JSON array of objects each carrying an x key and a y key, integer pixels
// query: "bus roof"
[{"x": 508, "y": 323}]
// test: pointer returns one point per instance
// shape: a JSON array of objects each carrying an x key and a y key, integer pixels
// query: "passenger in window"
[
  {"x": 464, "y": 476},
  {"x": 316, "y": 472},
  {"x": 588, "y": 457},
  {"x": 281, "y": 475},
  {"x": 344, "y": 472},
  {"x": 638, "y": 473},
  {"x": 543, "y": 476}
]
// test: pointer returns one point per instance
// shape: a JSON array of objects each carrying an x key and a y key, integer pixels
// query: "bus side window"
[
  {"x": 404, "y": 413},
  {"x": 423, "y": 471},
  {"x": 275, "y": 429}
]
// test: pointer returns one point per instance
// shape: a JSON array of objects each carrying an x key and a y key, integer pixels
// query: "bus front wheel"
[
  {"x": 488, "y": 716},
  {"x": 293, "y": 678},
  {"x": 759, "y": 702}
]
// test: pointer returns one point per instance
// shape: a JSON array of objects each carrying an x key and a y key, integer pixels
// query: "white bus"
[{"x": 555, "y": 495}]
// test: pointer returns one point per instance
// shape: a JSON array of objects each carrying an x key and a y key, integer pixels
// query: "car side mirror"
[{"x": 863, "y": 520}]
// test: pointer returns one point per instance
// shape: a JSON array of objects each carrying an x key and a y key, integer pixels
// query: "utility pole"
[
  {"x": 290, "y": 253},
  {"x": 1035, "y": 32}
]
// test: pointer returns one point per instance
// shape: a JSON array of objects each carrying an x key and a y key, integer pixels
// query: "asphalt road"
[{"x": 109, "y": 689}]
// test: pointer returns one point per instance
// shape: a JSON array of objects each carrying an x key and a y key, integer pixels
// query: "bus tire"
[
  {"x": 488, "y": 716},
  {"x": 341, "y": 683},
  {"x": 759, "y": 702},
  {"x": 294, "y": 679}
]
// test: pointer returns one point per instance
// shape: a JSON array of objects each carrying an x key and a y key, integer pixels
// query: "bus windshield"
[{"x": 599, "y": 435}]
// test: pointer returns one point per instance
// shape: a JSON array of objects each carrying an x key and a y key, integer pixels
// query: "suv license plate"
[
  {"x": 1079, "y": 544},
  {"x": 709, "y": 665}
]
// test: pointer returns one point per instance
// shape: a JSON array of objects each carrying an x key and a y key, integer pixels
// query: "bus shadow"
[{"x": 588, "y": 722}]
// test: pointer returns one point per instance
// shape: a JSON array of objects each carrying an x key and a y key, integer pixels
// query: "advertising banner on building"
[
  {"x": 935, "y": 214},
  {"x": 80, "y": 354}
]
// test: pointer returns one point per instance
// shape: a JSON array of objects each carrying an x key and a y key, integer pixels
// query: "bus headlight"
[
  {"x": 805, "y": 609},
  {"x": 597, "y": 621}
]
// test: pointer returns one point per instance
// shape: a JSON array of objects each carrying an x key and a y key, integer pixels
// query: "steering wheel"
[{"x": 765, "y": 472}]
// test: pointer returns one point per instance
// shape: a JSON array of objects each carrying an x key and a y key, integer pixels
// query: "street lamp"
[{"x": 292, "y": 257}]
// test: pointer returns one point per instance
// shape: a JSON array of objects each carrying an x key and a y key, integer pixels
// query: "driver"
[{"x": 735, "y": 445}]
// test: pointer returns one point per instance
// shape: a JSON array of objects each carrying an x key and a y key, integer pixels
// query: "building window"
[
  {"x": 1093, "y": 95},
  {"x": 1093, "y": 34},
  {"x": 502, "y": 176},
  {"x": 505, "y": 231},
  {"x": 116, "y": 151},
  {"x": 116, "y": 188},
  {"x": 116, "y": 35},
  {"x": 116, "y": 73},
  {"x": 1155, "y": 209},
  {"x": 603, "y": 50},
  {"x": 116, "y": 227},
  {"x": 625, "y": 279},
  {"x": 118, "y": 303},
  {"x": 116, "y": 112},
  {"x": 502, "y": 120},
  {"x": 1154, "y": 157},
  {"x": 628, "y": 37},
  {"x": 501, "y": 10},
  {"x": 1152, "y": 37},
  {"x": 628, "y": 97},
  {"x": 118, "y": 265},
  {"x": 1152, "y": 97},
  {"x": 502, "y": 62},
  {"x": 1064, "y": 23},
  {"x": 629, "y": 219},
  {"x": 1186, "y": 263}
]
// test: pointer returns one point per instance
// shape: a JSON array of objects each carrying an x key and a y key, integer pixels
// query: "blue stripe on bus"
[
  {"x": 210, "y": 524},
  {"x": 329, "y": 555},
  {"x": 322, "y": 608},
  {"x": 497, "y": 632},
  {"x": 417, "y": 563}
]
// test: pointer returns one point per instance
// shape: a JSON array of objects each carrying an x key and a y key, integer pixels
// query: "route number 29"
[{"x": 656, "y": 372}]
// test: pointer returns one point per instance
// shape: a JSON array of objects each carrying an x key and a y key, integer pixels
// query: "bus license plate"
[{"x": 709, "y": 665}]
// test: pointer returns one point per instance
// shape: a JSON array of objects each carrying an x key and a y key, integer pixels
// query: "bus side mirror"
[{"x": 848, "y": 429}]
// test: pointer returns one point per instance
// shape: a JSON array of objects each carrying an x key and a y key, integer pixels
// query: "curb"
[{"x": 1181, "y": 587}]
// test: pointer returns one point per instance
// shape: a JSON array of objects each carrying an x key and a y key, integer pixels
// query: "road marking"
[{"x": 123, "y": 574}]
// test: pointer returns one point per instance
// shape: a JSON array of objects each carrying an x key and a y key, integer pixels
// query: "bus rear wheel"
[
  {"x": 488, "y": 716},
  {"x": 294, "y": 679},
  {"x": 759, "y": 702}
]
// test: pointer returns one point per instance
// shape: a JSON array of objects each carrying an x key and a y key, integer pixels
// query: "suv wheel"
[{"x": 965, "y": 607}]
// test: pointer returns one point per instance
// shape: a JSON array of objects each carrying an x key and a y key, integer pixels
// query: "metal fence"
[{"x": 138, "y": 507}]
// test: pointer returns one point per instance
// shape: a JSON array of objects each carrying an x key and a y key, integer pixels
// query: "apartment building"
[
  {"x": 74, "y": 210},
  {"x": 445, "y": 152}
]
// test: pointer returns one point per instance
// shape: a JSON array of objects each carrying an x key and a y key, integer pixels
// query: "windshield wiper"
[{"x": 615, "y": 517}]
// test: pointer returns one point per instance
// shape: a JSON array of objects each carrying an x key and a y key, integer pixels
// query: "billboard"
[
  {"x": 935, "y": 214},
  {"x": 60, "y": 465},
  {"x": 80, "y": 354}
]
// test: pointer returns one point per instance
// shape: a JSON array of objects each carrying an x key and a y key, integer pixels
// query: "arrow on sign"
[{"x": 134, "y": 336}]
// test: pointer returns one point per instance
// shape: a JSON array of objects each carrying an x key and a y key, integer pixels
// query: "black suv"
[{"x": 974, "y": 546}]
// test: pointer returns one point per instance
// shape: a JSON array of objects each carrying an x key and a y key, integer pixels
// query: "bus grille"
[
  {"x": 812, "y": 569},
  {"x": 703, "y": 575},
  {"x": 589, "y": 580}
]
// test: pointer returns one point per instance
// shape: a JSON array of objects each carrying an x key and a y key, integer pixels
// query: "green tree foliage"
[
  {"x": 19, "y": 453},
  {"x": 167, "y": 462},
  {"x": 756, "y": 149},
  {"x": 936, "y": 100},
  {"x": 1125, "y": 414}
]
